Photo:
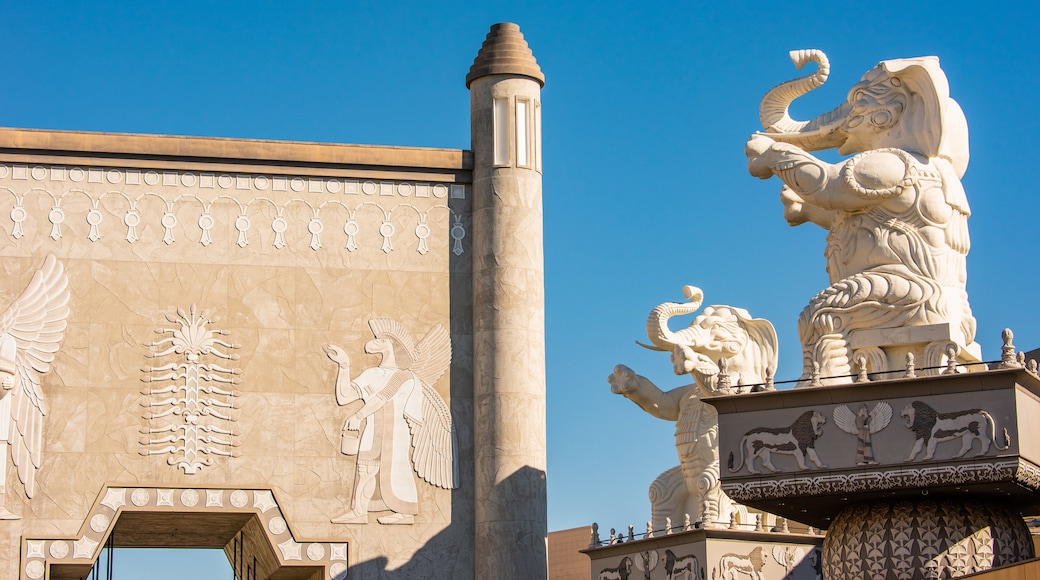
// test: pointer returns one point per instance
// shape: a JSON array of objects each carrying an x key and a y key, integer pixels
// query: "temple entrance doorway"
[{"x": 246, "y": 525}]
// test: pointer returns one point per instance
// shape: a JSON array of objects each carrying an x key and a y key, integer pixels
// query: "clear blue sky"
[{"x": 646, "y": 110}]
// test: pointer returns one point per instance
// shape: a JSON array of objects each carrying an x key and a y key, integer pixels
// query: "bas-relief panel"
[
  {"x": 286, "y": 422},
  {"x": 716, "y": 559},
  {"x": 763, "y": 560},
  {"x": 868, "y": 433}
]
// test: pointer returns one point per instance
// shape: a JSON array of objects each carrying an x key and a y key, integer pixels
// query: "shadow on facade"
[{"x": 450, "y": 553}]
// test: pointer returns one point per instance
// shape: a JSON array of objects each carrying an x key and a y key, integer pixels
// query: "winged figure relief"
[
  {"x": 31, "y": 331},
  {"x": 403, "y": 424},
  {"x": 863, "y": 424}
]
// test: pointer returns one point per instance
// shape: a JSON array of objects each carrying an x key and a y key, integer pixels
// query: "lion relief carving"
[
  {"x": 797, "y": 440},
  {"x": 931, "y": 427}
]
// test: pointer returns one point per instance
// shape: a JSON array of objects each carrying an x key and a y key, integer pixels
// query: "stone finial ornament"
[
  {"x": 758, "y": 523},
  {"x": 951, "y": 360},
  {"x": 505, "y": 52},
  {"x": 721, "y": 342},
  {"x": 631, "y": 533},
  {"x": 862, "y": 376},
  {"x": 649, "y": 530},
  {"x": 901, "y": 190},
  {"x": 1008, "y": 359},
  {"x": 814, "y": 376},
  {"x": 667, "y": 526},
  {"x": 31, "y": 332},
  {"x": 595, "y": 535},
  {"x": 911, "y": 370}
]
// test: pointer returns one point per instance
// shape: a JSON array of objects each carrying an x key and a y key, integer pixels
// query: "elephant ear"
[
  {"x": 934, "y": 124},
  {"x": 762, "y": 334}
]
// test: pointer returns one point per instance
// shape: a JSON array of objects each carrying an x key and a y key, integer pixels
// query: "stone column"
[{"x": 508, "y": 309}]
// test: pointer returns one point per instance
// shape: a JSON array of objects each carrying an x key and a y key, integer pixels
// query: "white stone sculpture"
[
  {"x": 403, "y": 424},
  {"x": 896, "y": 211},
  {"x": 720, "y": 333},
  {"x": 189, "y": 414},
  {"x": 31, "y": 331}
]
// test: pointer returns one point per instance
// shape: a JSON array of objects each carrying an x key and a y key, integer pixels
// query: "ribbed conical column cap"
[{"x": 505, "y": 52}]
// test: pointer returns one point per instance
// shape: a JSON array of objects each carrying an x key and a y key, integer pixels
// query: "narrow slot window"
[
  {"x": 501, "y": 131},
  {"x": 538, "y": 136},
  {"x": 522, "y": 141}
]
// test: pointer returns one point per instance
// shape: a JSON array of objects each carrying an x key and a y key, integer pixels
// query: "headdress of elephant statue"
[
  {"x": 896, "y": 211},
  {"x": 746, "y": 346}
]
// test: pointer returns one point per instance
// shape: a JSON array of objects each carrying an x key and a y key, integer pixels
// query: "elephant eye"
[{"x": 881, "y": 118}]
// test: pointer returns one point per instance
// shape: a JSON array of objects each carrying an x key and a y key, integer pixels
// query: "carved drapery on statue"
[
  {"x": 403, "y": 424},
  {"x": 896, "y": 211},
  {"x": 723, "y": 345}
]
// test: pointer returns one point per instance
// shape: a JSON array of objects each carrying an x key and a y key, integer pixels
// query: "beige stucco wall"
[{"x": 278, "y": 304}]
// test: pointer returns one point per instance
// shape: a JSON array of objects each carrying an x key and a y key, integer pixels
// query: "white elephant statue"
[
  {"x": 747, "y": 347},
  {"x": 896, "y": 211}
]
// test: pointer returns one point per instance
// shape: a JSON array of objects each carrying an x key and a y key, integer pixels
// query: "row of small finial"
[
  {"x": 725, "y": 385},
  {"x": 616, "y": 537},
  {"x": 1009, "y": 358}
]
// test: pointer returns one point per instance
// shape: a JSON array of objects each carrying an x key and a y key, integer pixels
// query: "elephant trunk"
[
  {"x": 657, "y": 323},
  {"x": 819, "y": 133}
]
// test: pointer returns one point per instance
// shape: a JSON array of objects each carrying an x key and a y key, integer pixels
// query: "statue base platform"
[
  {"x": 968, "y": 444},
  {"x": 885, "y": 349}
]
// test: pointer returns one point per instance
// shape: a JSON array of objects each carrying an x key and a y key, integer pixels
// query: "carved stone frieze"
[
  {"x": 1017, "y": 470},
  {"x": 365, "y": 219},
  {"x": 190, "y": 414}
]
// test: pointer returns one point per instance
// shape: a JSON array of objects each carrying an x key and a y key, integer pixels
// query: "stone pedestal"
[
  {"x": 923, "y": 538},
  {"x": 907, "y": 476}
]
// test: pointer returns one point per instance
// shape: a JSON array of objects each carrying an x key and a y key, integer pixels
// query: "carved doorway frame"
[{"x": 234, "y": 519}]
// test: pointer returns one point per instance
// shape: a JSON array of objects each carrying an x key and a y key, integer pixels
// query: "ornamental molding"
[
  {"x": 368, "y": 214},
  {"x": 84, "y": 548},
  {"x": 901, "y": 477}
]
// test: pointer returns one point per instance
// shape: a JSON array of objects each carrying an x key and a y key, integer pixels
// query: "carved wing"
[
  {"x": 845, "y": 419},
  {"x": 433, "y": 355},
  {"x": 434, "y": 441},
  {"x": 36, "y": 321},
  {"x": 880, "y": 416}
]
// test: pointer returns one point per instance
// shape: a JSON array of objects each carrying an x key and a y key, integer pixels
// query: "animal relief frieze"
[
  {"x": 797, "y": 440},
  {"x": 189, "y": 415},
  {"x": 931, "y": 427}
]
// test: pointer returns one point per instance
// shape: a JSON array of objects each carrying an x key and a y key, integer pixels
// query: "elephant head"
[
  {"x": 901, "y": 103},
  {"x": 747, "y": 345}
]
